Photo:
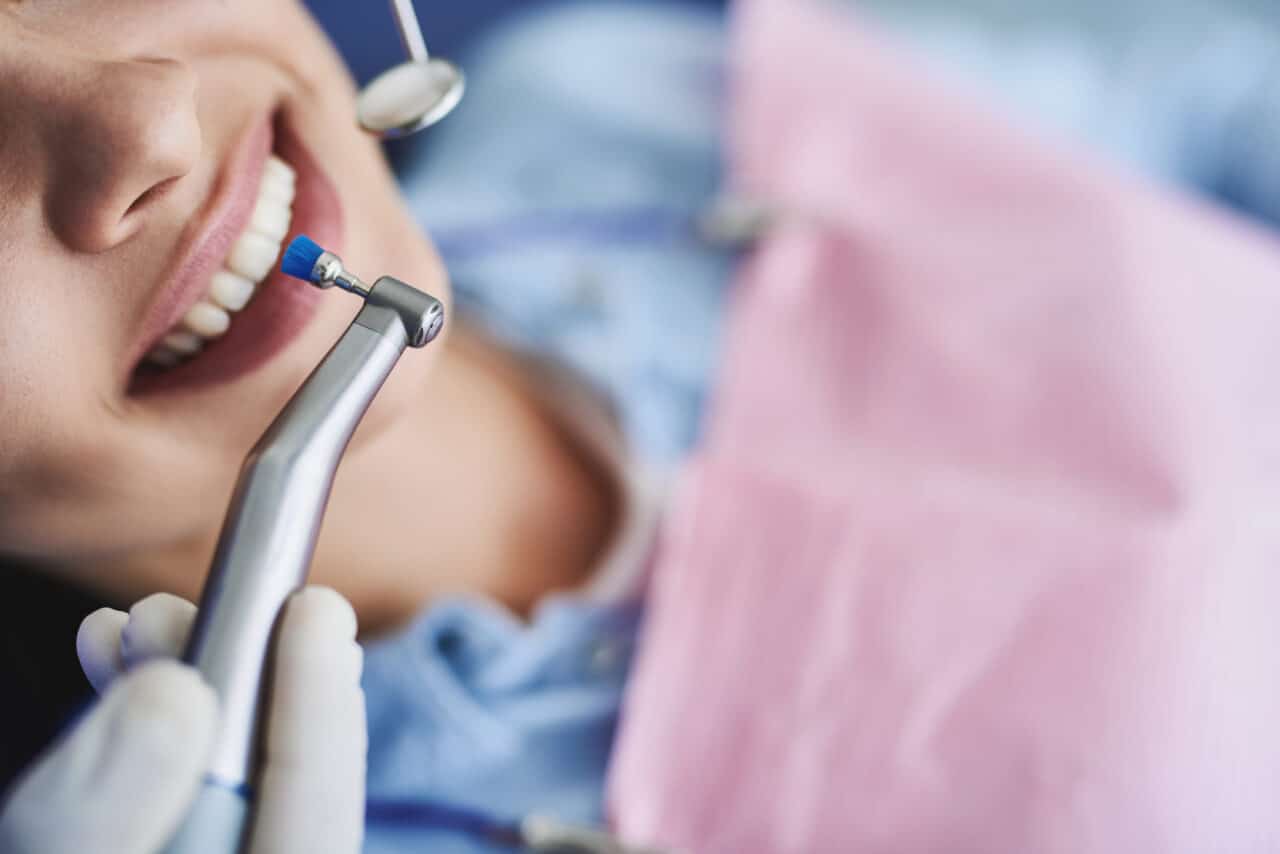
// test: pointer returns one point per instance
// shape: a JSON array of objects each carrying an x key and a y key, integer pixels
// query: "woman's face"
[{"x": 135, "y": 183}]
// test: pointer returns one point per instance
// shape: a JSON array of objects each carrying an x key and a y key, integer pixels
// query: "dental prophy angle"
[{"x": 269, "y": 535}]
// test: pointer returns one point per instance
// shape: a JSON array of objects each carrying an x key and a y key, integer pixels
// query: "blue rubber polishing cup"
[{"x": 300, "y": 258}]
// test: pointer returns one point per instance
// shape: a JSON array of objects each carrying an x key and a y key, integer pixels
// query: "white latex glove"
[{"x": 122, "y": 779}]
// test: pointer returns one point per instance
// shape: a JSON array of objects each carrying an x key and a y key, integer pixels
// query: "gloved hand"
[{"x": 122, "y": 779}]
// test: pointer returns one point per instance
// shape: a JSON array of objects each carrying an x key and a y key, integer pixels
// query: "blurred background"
[
  {"x": 1186, "y": 91},
  {"x": 560, "y": 192},
  {"x": 366, "y": 35}
]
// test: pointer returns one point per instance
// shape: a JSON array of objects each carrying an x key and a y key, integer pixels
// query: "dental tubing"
[{"x": 269, "y": 535}]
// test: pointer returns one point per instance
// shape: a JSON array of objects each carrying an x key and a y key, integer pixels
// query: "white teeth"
[
  {"x": 230, "y": 291},
  {"x": 207, "y": 320},
  {"x": 277, "y": 168},
  {"x": 271, "y": 218},
  {"x": 253, "y": 255},
  {"x": 278, "y": 188},
  {"x": 162, "y": 357},
  {"x": 183, "y": 342}
]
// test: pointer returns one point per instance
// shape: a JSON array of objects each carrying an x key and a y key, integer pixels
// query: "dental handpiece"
[{"x": 269, "y": 535}]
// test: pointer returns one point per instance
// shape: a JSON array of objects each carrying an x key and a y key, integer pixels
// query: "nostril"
[{"x": 152, "y": 194}]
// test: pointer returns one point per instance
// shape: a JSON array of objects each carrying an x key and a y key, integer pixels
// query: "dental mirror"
[{"x": 415, "y": 94}]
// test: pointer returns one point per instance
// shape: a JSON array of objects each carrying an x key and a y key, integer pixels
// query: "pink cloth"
[{"x": 983, "y": 551}]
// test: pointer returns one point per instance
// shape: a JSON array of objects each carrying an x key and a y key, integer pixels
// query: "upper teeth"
[{"x": 252, "y": 257}]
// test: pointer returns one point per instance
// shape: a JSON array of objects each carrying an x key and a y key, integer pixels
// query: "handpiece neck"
[{"x": 272, "y": 523}]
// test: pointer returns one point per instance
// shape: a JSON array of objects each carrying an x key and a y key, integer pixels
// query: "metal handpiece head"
[{"x": 421, "y": 314}]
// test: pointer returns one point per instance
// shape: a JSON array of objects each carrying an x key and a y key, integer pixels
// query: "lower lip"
[{"x": 282, "y": 306}]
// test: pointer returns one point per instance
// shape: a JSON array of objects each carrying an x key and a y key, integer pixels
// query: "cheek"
[
  {"x": 56, "y": 489},
  {"x": 81, "y": 479},
  {"x": 100, "y": 493},
  {"x": 46, "y": 370}
]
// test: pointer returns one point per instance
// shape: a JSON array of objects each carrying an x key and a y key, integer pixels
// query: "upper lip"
[{"x": 203, "y": 251}]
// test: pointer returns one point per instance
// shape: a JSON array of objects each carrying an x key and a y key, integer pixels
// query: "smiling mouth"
[
  {"x": 231, "y": 310},
  {"x": 252, "y": 257}
]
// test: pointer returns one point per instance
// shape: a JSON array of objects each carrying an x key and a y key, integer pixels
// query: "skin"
[{"x": 118, "y": 116}]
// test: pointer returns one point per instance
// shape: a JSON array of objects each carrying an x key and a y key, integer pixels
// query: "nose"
[{"x": 128, "y": 131}]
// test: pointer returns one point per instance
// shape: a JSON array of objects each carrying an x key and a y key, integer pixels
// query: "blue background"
[{"x": 365, "y": 31}]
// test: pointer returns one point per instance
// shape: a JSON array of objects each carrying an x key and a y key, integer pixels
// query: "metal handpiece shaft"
[
  {"x": 262, "y": 558},
  {"x": 270, "y": 535},
  {"x": 272, "y": 524}
]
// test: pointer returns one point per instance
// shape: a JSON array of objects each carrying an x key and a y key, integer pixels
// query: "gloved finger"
[
  {"x": 122, "y": 779},
  {"x": 98, "y": 646},
  {"x": 158, "y": 627},
  {"x": 311, "y": 796},
  {"x": 110, "y": 642}
]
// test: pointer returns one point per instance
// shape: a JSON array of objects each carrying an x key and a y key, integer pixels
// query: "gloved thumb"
[{"x": 121, "y": 780}]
